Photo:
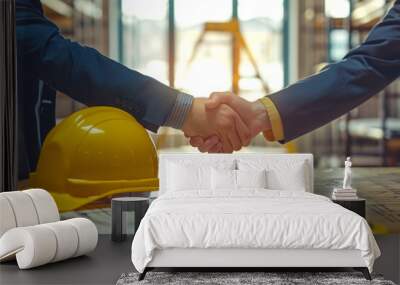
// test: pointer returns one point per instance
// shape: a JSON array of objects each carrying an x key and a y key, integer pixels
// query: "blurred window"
[
  {"x": 211, "y": 67},
  {"x": 337, "y": 8},
  {"x": 339, "y": 40},
  {"x": 262, "y": 28},
  {"x": 145, "y": 46},
  {"x": 145, "y": 28}
]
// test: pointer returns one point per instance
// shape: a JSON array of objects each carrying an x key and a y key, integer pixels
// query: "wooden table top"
[{"x": 380, "y": 186}]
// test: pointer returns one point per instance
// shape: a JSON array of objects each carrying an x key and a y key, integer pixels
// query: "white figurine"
[{"x": 347, "y": 174}]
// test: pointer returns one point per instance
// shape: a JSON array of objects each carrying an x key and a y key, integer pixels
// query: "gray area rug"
[{"x": 233, "y": 278}]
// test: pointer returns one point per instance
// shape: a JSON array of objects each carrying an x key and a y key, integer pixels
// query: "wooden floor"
[{"x": 378, "y": 185}]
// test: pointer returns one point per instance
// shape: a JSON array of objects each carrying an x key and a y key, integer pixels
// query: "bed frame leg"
[
  {"x": 143, "y": 274},
  {"x": 364, "y": 271}
]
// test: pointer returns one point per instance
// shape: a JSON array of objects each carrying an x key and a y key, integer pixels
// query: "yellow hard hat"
[{"x": 94, "y": 153}]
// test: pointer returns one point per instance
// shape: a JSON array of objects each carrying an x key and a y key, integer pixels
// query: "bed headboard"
[{"x": 213, "y": 158}]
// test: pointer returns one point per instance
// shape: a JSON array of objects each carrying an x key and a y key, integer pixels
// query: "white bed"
[{"x": 281, "y": 224}]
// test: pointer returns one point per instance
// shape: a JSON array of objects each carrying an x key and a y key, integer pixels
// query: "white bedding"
[{"x": 252, "y": 218}]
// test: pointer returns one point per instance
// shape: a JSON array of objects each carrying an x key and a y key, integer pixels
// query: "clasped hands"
[{"x": 224, "y": 122}]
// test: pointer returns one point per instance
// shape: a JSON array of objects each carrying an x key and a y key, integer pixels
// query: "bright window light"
[
  {"x": 337, "y": 8},
  {"x": 145, "y": 10},
  {"x": 189, "y": 13},
  {"x": 252, "y": 9}
]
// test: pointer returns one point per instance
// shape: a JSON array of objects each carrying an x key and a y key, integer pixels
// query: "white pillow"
[
  {"x": 223, "y": 179},
  {"x": 251, "y": 178},
  {"x": 285, "y": 174},
  {"x": 184, "y": 177},
  {"x": 290, "y": 177},
  {"x": 186, "y": 174}
]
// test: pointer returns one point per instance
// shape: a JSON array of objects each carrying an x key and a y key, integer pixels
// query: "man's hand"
[
  {"x": 221, "y": 126},
  {"x": 253, "y": 115}
]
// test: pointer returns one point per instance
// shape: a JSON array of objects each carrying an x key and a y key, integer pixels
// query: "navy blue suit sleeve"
[
  {"x": 87, "y": 76},
  {"x": 364, "y": 71}
]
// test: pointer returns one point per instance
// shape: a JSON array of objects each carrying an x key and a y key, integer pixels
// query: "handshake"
[{"x": 224, "y": 122}]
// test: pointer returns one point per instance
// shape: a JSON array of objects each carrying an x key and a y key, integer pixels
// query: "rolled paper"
[
  {"x": 23, "y": 208},
  {"x": 31, "y": 232},
  {"x": 87, "y": 235},
  {"x": 45, "y": 205},
  {"x": 67, "y": 240},
  {"x": 7, "y": 218},
  {"x": 41, "y": 244},
  {"x": 32, "y": 246}
]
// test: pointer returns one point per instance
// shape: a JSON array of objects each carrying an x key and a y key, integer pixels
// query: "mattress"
[{"x": 252, "y": 219}]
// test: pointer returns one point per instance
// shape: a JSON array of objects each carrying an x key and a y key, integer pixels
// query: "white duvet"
[{"x": 254, "y": 218}]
